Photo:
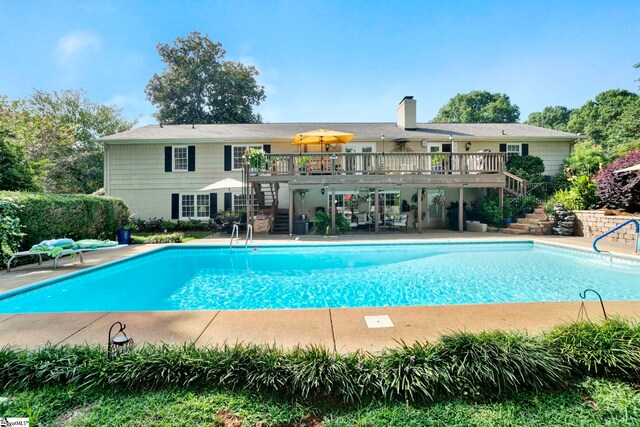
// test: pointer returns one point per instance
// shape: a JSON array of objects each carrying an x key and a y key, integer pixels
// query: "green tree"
[
  {"x": 550, "y": 117},
  {"x": 608, "y": 119},
  {"x": 16, "y": 173},
  {"x": 478, "y": 107},
  {"x": 58, "y": 131},
  {"x": 199, "y": 86},
  {"x": 586, "y": 158}
]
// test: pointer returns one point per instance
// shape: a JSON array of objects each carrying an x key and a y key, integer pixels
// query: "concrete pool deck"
[{"x": 342, "y": 329}]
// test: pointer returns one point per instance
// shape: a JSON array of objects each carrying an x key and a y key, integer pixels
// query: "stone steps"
[{"x": 536, "y": 223}]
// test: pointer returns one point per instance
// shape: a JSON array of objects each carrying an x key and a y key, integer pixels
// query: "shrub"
[
  {"x": 10, "y": 230},
  {"x": 154, "y": 225},
  {"x": 323, "y": 223},
  {"x": 488, "y": 211},
  {"x": 586, "y": 159},
  {"x": 157, "y": 238},
  {"x": 580, "y": 195},
  {"x": 478, "y": 367},
  {"x": 529, "y": 168},
  {"x": 609, "y": 349},
  {"x": 48, "y": 216},
  {"x": 620, "y": 190}
]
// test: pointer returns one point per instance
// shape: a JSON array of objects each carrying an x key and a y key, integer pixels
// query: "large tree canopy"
[
  {"x": 611, "y": 119},
  {"x": 478, "y": 107},
  {"x": 199, "y": 86},
  {"x": 16, "y": 172},
  {"x": 58, "y": 131},
  {"x": 551, "y": 117}
]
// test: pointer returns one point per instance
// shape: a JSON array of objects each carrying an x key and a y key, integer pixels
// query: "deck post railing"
[{"x": 385, "y": 163}]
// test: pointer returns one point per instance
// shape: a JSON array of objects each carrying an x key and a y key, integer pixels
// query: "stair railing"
[
  {"x": 613, "y": 230},
  {"x": 514, "y": 184}
]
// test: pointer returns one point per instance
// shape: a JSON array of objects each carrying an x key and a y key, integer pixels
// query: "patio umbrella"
[
  {"x": 630, "y": 169},
  {"x": 322, "y": 137},
  {"x": 222, "y": 184}
]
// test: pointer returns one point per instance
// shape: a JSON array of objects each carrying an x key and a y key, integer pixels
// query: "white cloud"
[{"x": 73, "y": 46}]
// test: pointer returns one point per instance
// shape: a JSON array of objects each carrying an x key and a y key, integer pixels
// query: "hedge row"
[
  {"x": 49, "y": 216},
  {"x": 462, "y": 365}
]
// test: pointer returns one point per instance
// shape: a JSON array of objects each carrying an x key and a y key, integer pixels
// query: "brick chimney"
[{"x": 407, "y": 113}]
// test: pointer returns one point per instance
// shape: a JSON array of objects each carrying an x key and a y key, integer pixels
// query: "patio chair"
[
  {"x": 400, "y": 222},
  {"x": 221, "y": 225}
]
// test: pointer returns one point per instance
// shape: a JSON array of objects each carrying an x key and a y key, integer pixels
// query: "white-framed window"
[
  {"x": 195, "y": 206},
  {"x": 514, "y": 149},
  {"x": 238, "y": 154},
  {"x": 240, "y": 204},
  {"x": 180, "y": 158}
]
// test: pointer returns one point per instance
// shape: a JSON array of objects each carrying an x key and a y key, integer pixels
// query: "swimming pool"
[{"x": 210, "y": 278}]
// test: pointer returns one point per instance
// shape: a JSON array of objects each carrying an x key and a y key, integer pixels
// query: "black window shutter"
[
  {"x": 175, "y": 206},
  {"x": 213, "y": 205},
  {"x": 525, "y": 149},
  {"x": 503, "y": 148},
  {"x": 191, "y": 158},
  {"x": 446, "y": 148},
  {"x": 168, "y": 161},
  {"x": 227, "y": 201},
  {"x": 267, "y": 148},
  {"x": 227, "y": 157}
]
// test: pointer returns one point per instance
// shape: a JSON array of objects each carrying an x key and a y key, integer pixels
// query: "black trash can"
[{"x": 300, "y": 227}]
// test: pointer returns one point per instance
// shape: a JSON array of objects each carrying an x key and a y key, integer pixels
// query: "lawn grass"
[{"x": 590, "y": 403}]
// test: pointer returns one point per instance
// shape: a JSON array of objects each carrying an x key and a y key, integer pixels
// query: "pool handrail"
[
  {"x": 235, "y": 231},
  {"x": 635, "y": 221},
  {"x": 249, "y": 233}
]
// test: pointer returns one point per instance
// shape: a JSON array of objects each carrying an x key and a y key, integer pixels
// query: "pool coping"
[{"x": 342, "y": 329}]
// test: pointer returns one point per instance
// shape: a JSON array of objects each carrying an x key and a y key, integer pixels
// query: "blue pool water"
[{"x": 206, "y": 278}]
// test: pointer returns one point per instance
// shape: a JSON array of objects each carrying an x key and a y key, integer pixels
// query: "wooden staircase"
[
  {"x": 536, "y": 223},
  {"x": 281, "y": 222}
]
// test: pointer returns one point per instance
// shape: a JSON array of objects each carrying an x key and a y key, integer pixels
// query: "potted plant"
[
  {"x": 256, "y": 158},
  {"x": 302, "y": 162},
  {"x": 125, "y": 227}
]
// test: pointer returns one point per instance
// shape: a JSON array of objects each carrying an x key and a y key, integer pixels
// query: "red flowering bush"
[{"x": 620, "y": 190}]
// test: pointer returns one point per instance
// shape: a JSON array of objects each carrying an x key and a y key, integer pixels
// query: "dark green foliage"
[
  {"x": 610, "y": 349},
  {"x": 478, "y": 367},
  {"x": 16, "y": 172},
  {"x": 199, "y": 86},
  {"x": 10, "y": 231},
  {"x": 531, "y": 169},
  {"x": 551, "y": 117},
  {"x": 478, "y": 107},
  {"x": 49, "y": 216},
  {"x": 322, "y": 223},
  {"x": 157, "y": 238},
  {"x": 521, "y": 205}
]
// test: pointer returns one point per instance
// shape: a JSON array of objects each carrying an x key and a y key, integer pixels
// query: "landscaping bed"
[{"x": 581, "y": 369}]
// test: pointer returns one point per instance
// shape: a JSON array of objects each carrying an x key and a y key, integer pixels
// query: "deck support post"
[
  {"x": 461, "y": 209},
  {"x": 419, "y": 210},
  {"x": 376, "y": 212},
  {"x": 333, "y": 212},
  {"x": 291, "y": 193},
  {"x": 501, "y": 200}
]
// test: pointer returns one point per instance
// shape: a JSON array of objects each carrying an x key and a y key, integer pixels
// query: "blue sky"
[{"x": 331, "y": 60}]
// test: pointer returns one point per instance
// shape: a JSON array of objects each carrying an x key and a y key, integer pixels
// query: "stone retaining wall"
[{"x": 593, "y": 224}]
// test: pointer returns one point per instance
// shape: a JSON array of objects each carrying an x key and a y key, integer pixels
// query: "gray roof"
[{"x": 363, "y": 131}]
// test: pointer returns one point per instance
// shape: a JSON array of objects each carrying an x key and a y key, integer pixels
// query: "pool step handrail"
[
  {"x": 234, "y": 232},
  {"x": 634, "y": 221},
  {"x": 249, "y": 235}
]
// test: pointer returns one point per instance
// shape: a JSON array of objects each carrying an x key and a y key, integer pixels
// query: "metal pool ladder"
[
  {"x": 236, "y": 233},
  {"x": 635, "y": 221}
]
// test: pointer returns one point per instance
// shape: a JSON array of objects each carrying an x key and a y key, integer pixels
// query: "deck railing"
[{"x": 381, "y": 164}]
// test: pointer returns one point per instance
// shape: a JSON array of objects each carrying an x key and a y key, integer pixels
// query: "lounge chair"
[{"x": 56, "y": 252}]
